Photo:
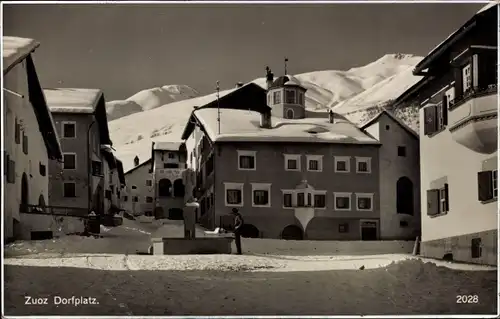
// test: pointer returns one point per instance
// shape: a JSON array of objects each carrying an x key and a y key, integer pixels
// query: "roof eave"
[{"x": 21, "y": 58}]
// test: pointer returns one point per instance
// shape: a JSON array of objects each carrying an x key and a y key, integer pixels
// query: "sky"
[{"x": 123, "y": 49}]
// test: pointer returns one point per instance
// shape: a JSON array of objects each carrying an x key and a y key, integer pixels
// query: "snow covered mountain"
[
  {"x": 149, "y": 99},
  {"x": 159, "y": 114}
]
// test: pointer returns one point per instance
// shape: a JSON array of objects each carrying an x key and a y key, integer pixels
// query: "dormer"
[{"x": 286, "y": 97}]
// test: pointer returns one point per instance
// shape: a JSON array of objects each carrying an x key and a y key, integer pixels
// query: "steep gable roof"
[
  {"x": 136, "y": 167},
  {"x": 394, "y": 119}
]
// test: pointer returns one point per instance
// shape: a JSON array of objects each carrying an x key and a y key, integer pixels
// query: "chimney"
[
  {"x": 269, "y": 77},
  {"x": 239, "y": 84},
  {"x": 136, "y": 160},
  {"x": 330, "y": 116},
  {"x": 265, "y": 119}
]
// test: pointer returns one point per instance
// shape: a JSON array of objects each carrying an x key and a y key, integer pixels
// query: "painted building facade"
[
  {"x": 137, "y": 196},
  {"x": 30, "y": 141},
  {"x": 458, "y": 142}
]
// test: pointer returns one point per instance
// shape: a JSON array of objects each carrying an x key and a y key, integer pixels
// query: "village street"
[{"x": 261, "y": 282}]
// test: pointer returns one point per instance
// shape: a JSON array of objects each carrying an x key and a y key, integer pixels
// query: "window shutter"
[
  {"x": 25, "y": 143},
  {"x": 430, "y": 120},
  {"x": 484, "y": 185},
  {"x": 432, "y": 202},
  {"x": 447, "y": 197},
  {"x": 444, "y": 110},
  {"x": 458, "y": 84},
  {"x": 17, "y": 132}
]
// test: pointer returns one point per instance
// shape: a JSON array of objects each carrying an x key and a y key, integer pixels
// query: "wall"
[
  {"x": 393, "y": 167},
  {"x": 21, "y": 108},
  {"x": 174, "y": 175},
  {"x": 76, "y": 145},
  {"x": 270, "y": 169},
  {"x": 138, "y": 178}
]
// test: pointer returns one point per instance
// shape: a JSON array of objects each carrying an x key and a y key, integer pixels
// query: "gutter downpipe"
[{"x": 89, "y": 168}]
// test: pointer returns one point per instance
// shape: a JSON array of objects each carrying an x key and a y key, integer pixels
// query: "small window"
[
  {"x": 342, "y": 201},
  {"x": 403, "y": 223},
  {"x": 319, "y": 200},
  {"x": 363, "y": 165},
  {"x": 246, "y": 160},
  {"x": 149, "y": 182},
  {"x": 69, "y": 130},
  {"x": 301, "y": 201},
  {"x": 467, "y": 77},
  {"x": 97, "y": 168},
  {"x": 43, "y": 169},
  {"x": 277, "y": 97},
  {"x": 387, "y": 127},
  {"x": 234, "y": 194},
  {"x": 314, "y": 163},
  {"x": 443, "y": 200},
  {"x": 69, "y": 161},
  {"x": 364, "y": 201},
  {"x": 17, "y": 132},
  {"x": 344, "y": 228},
  {"x": 475, "y": 248},
  {"x": 287, "y": 200},
  {"x": 170, "y": 165},
  {"x": 260, "y": 197},
  {"x": 25, "y": 143},
  {"x": 402, "y": 151},
  {"x": 290, "y": 96},
  {"x": 171, "y": 155},
  {"x": 134, "y": 187},
  {"x": 125, "y": 198},
  {"x": 292, "y": 162},
  {"x": 69, "y": 189},
  {"x": 149, "y": 199},
  {"x": 135, "y": 199},
  {"x": 342, "y": 164}
]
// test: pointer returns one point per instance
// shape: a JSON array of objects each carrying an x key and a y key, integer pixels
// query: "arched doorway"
[
  {"x": 179, "y": 189},
  {"x": 164, "y": 188},
  {"x": 404, "y": 196},
  {"x": 292, "y": 232},
  {"x": 289, "y": 114},
  {"x": 249, "y": 231}
]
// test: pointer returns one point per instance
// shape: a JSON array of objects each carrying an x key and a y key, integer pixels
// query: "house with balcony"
[
  {"x": 80, "y": 118},
  {"x": 137, "y": 197},
  {"x": 168, "y": 166},
  {"x": 30, "y": 142},
  {"x": 458, "y": 100},
  {"x": 291, "y": 175}
]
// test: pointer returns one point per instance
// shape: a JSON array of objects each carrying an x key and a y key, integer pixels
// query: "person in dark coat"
[{"x": 238, "y": 223}]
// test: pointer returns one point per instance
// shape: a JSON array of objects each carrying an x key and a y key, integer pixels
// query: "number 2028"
[{"x": 467, "y": 299}]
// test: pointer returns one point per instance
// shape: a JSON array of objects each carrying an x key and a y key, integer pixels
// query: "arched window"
[
  {"x": 179, "y": 188},
  {"x": 289, "y": 114},
  {"x": 404, "y": 196},
  {"x": 165, "y": 188}
]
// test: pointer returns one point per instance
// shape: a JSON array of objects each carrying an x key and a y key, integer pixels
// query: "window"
[
  {"x": 301, "y": 98},
  {"x": 363, "y": 165},
  {"x": 149, "y": 199},
  {"x": 289, "y": 114},
  {"x": 11, "y": 170},
  {"x": 301, "y": 202},
  {"x": 170, "y": 165},
  {"x": 149, "y": 182},
  {"x": 125, "y": 198},
  {"x": 246, "y": 160},
  {"x": 292, "y": 162},
  {"x": 320, "y": 200},
  {"x": 69, "y": 129},
  {"x": 364, "y": 201},
  {"x": 467, "y": 77},
  {"x": 69, "y": 189},
  {"x": 135, "y": 199},
  {"x": 17, "y": 132},
  {"x": 402, "y": 151},
  {"x": 475, "y": 248},
  {"x": 261, "y": 194},
  {"x": 290, "y": 96},
  {"x": 487, "y": 182},
  {"x": 69, "y": 161},
  {"x": 403, "y": 223},
  {"x": 342, "y": 164},
  {"x": 96, "y": 168},
  {"x": 435, "y": 118},
  {"x": 342, "y": 201},
  {"x": 438, "y": 201},
  {"x": 449, "y": 97},
  {"x": 171, "y": 155},
  {"x": 287, "y": 199},
  {"x": 25, "y": 143},
  {"x": 387, "y": 127},
  {"x": 43, "y": 169},
  {"x": 315, "y": 163},
  {"x": 344, "y": 228},
  {"x": 277, "y": 97},
  {"x": 234, "y": 194}
]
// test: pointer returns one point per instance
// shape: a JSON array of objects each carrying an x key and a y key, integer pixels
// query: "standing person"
[{"x": 238, "y": 223}]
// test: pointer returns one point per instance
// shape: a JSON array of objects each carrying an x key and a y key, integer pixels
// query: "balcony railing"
[{"x": 471, "y": 94}]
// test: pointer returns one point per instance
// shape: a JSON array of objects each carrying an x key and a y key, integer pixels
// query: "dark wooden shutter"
[
  {"x": 444, "y": 110},
  {"x": 17, "y": 132},
  {"x": 25, "y": 143},
  {"x": 446, "y": 197},
  {"x": 484, "y": 186},
  {"x": 429, "y": 120},
  {"x": 432, "y": 202},
  {"x": 458, "y": 84}
]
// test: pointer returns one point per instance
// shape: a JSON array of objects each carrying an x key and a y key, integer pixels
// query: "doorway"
[{"x": 369, "y": 230}]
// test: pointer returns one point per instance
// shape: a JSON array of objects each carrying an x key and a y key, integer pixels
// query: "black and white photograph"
[{"x": 207, "y": 158}]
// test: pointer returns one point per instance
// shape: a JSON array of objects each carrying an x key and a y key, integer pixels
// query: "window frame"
[
  {"x": 318, "y": 192},
  {"x": 290, "y": 91},
  {"x": 367, "y": 160},
  {"x": 261, "y": 187},
  {"x": 342, "y": 195},
  {"x": 297, "y": 158},
  {"x": 277, "y": 98},
  {"x": 234, "y": 186},
  {"x": 364, "y": 196},
  {"x": 64, "y": 189},
  {"x": 346, "y": 160},
  {"x": 287, "y": 192},
  {"x": 64, "y": 165},
  {"x": 63, "y": 129},
  {"x": 149, "y": 182},
  {"x": 464, "y": 79},
  {"x": 494, "y": 182},
  {"x": 401, "y": 151},
  {"x": 253, "y": 154},
  {"x": 318, "y": 158},
  {"x": 146, "y": 199}
]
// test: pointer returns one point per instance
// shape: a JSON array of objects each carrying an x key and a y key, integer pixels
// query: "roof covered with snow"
[
  {"x": 15, "y": 50},
  {"x": 392, "y": 117},
  {"x": 70, "y": 100},
  {"x": 167, "y": 146},
  {"x": 244, "y": 126},
  {"x": 284, "y": 80}
]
